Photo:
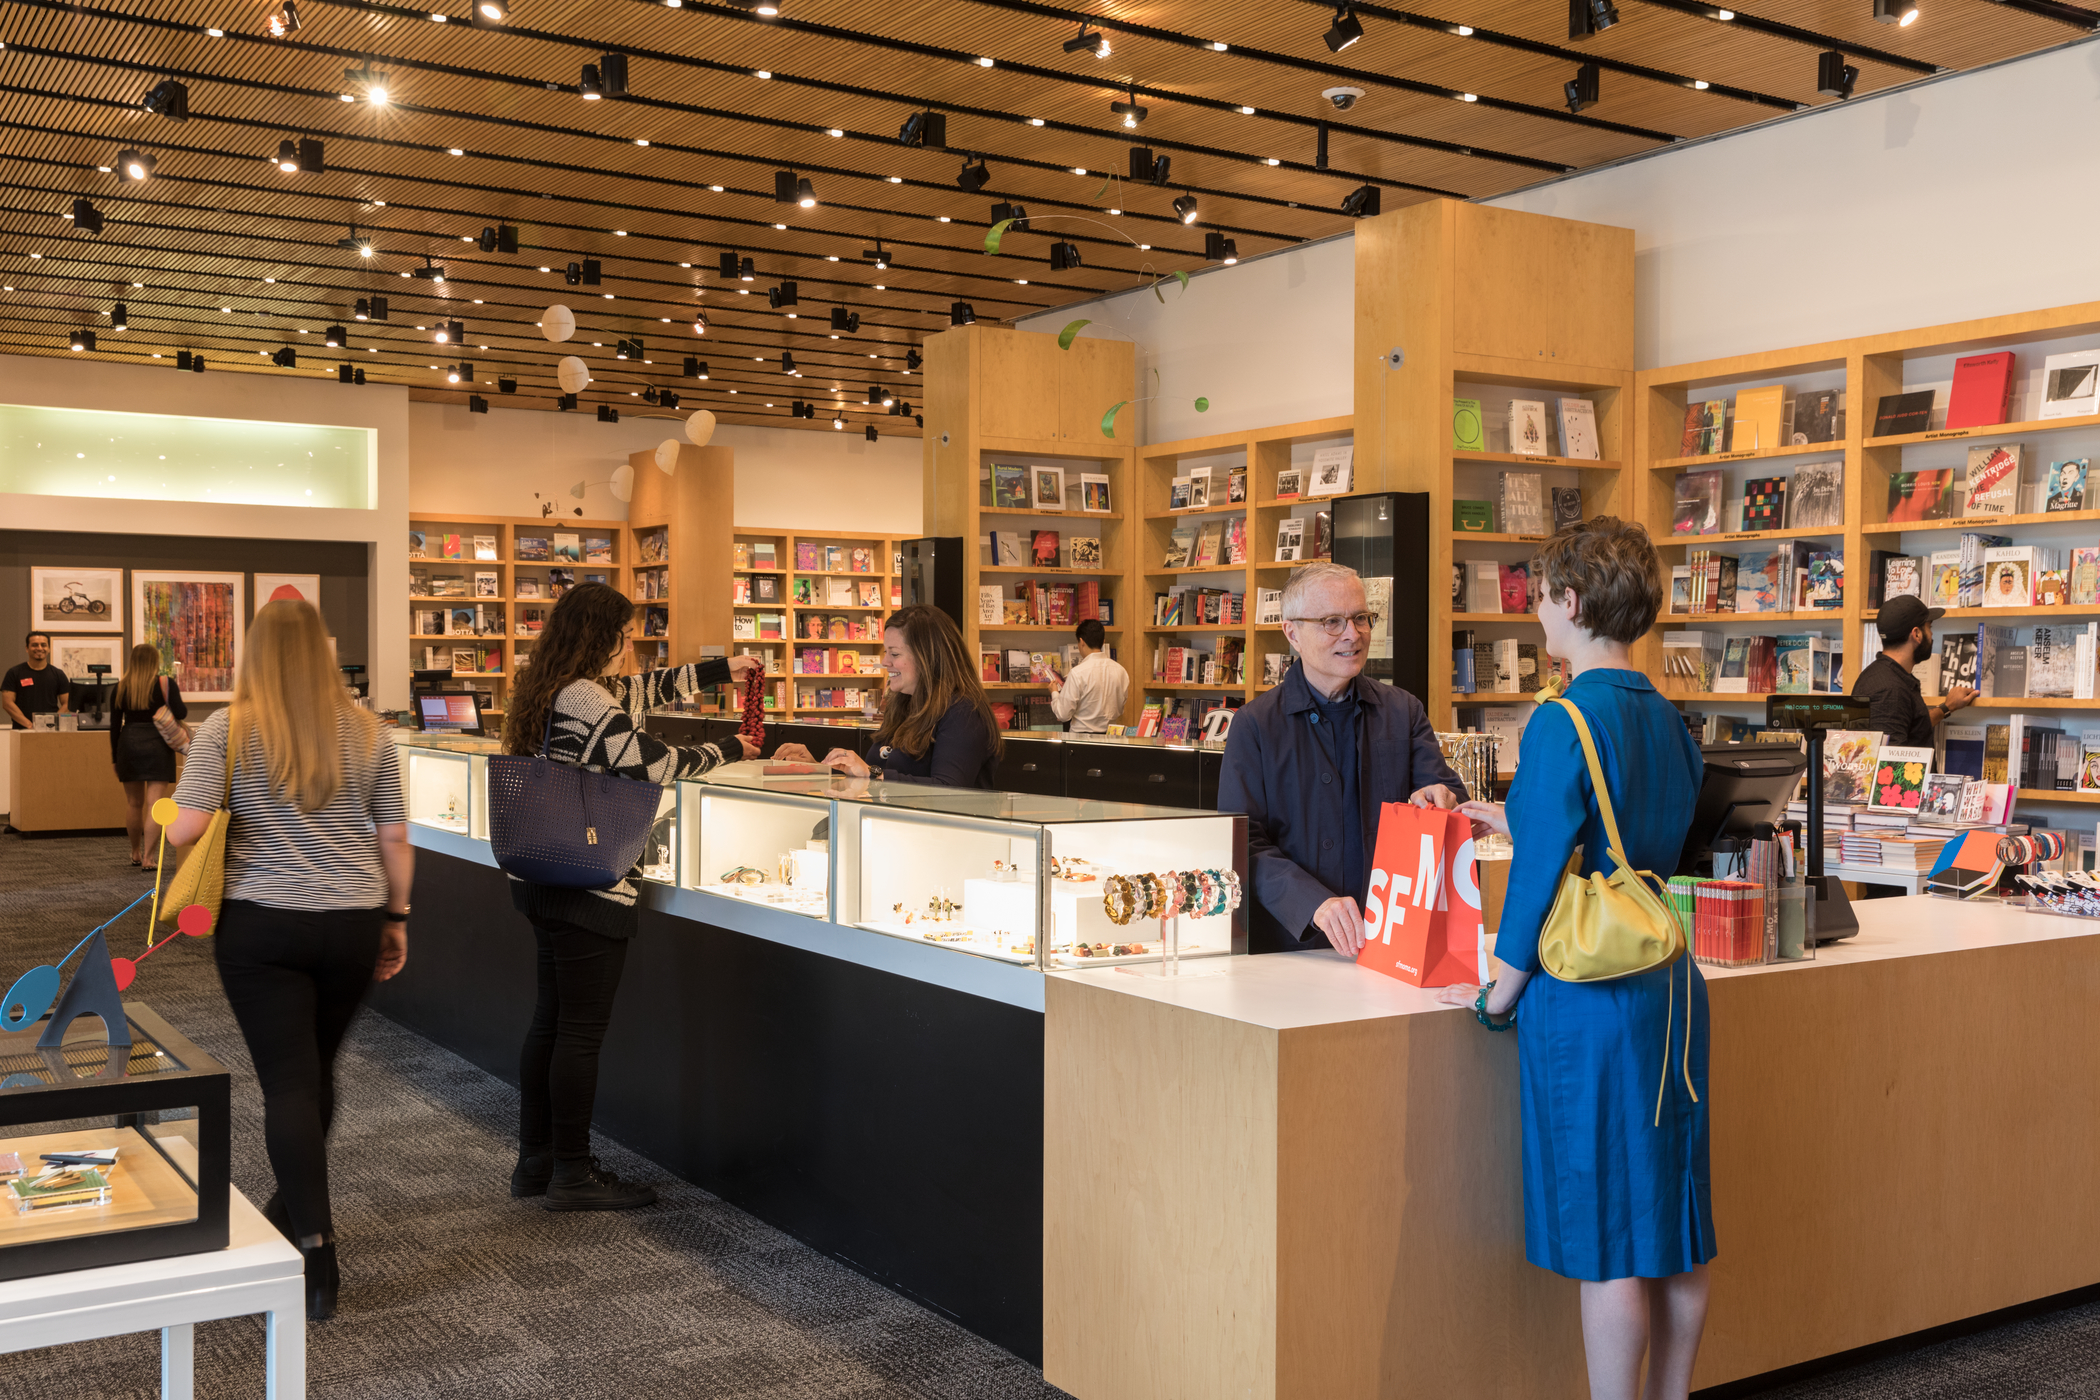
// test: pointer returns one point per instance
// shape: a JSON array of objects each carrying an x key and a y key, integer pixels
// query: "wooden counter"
[
  {"x": 1288, "y": 1177},
  {"x": 62, "y": 782}
]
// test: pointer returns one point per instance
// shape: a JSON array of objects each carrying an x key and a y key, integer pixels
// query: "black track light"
[
  {"x": 196, "y": 364},
  {"x": 506, "y": 239},
  {"x": 787, "y": 363},
  {"x": 120, "y": 317},
  {"x": 379, "y": 88},
  {"x": 487, "y": 242},
  {"x": 612, "y": 68},
  {"x": 379, "y": 308},
  {"x": 928, "y": 129},
  {"x": 1218, "y": 248},
  {"x": 182, "y": 359},
  {"x": 804, "y": 194},
  {"x": 1064, "y": 257},
  {"x": 449, "y": 333},
  {"x": 975, "y": 175},
  {"x": 608, "y": 414},
  {"x": 313, "y": 156},
  {"x": 745, "y": 272},
  {"x": 694, "y": 369},
  {"x": 591, "y": 85},
  {"x": 477, "y": 404},
  {"x": 487, "y": 14},
  {"x": 168, "y": 99},
  {"x": 1130, "y": 111},
  {"x": 838, "y": 420},
  {"x": 506, "y": 386},
  {"x": 1018, "y": 213},
  {"x": 727, "y": 268},
  {"x": 649, "y": 396},
  {"x": 1345, "y": 30},
  {"x": 285, "y": 20},
  {"x": 1834, "y": 76},
  {"x": 1902, "y": 13},
  {"x": 1091, "y": 41},
  {"x": 86, "y": 217},
  {"x": 912, "y": 360},
  {"x": 362, "y": 311},
  {"x": 877, "y": 255},
  {"x": 335, "y": 337},
  {"x": 345, "y": 374},
  {"x": 82, "y": 340},
  {"x": 134, "y": 165},
  {"x": 783, "y": 187},
  {"x": 667, "y": 398},
  {"x": 592, "y": 271},
  {"x": 961, "y": 313},
  {"x": 287, "y": 358},
  {"x": 461, "y": 373},
  {"x": 1140, "y": 162},
  {"x": 1362, "y": 202},
  {"x": 1319, "y": 145},
  {"x": 1581, "y": 90},
  {"x": 566, "y": 403},
  {"x": 1587, "y": 17},
  {"x": 429, "y": 271},
  {"x": 872, "y": 434},
  {"x": 1185, "y": 209},
  {"x": 786, "y": 294},
  {"x": 288, "y": 156},
  {"x": 629, "y": 349},
  {"x": 699, "y": 323},
  {"x": 573, "y": 274}
]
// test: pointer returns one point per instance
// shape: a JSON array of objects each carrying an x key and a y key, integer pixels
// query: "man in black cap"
[{"x": 1900, "y": 711}]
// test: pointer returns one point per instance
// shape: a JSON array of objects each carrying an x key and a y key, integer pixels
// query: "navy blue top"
[
  {"x": 959, "y": 756},
  {"x": 1305, "y": 812},
  {"x": 1334, "y": 727}
]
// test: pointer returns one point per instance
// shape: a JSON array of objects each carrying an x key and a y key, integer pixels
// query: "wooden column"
[{"x": 698, "y": 503}]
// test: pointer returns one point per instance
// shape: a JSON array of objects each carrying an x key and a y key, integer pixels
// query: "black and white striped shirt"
[{"x": 289, "y": 859}]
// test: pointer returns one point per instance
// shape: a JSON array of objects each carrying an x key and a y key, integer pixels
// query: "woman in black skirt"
[{"x": 145, "y": 763}]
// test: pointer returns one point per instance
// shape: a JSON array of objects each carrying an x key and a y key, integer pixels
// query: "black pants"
[
  {"x": 579, "y": 974},
  {"x": 294, "y": 980}
]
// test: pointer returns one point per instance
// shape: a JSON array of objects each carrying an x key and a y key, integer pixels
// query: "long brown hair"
[
  {"x": 946, "y": 675},
  {"x": 136, "y": 690},
  {"x": 291, "y": 696},
  {"x": 582, "y": 634}
]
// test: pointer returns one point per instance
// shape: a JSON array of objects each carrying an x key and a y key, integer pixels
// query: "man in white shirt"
[{"x": 1092, "y": 697}]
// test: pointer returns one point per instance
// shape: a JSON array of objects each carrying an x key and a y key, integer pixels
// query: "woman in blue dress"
[{"x": 1616, "y": 1186}]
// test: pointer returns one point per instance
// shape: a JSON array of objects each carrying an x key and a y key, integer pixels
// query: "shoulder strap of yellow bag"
[{"x": 1589, "y": 752}]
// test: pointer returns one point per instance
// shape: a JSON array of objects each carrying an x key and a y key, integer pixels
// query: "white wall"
[
  {"x": 1954, "y": 199},
  {"x": 505, "y": 461},
  {"x": 71, "y": 383},
  {"x": 1267, "y": 341}
]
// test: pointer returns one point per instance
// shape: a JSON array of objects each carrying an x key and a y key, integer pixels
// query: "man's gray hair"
[{"x": 1305, "y": 580}]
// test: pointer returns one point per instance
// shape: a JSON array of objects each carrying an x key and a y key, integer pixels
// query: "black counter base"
[{"x": 893, "y": 1125}]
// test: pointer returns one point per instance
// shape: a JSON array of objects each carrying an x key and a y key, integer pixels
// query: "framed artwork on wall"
[
  {"x": 73, "y": 656},
  {"x": 197, "y": 620},
  {"x": 77, "y": 600},
  {"x": 270, "y": 587}
]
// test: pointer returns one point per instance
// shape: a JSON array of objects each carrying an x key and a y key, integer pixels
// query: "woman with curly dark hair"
[{"x": 580, "y": 699}]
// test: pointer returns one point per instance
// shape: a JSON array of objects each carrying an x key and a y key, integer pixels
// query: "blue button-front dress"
[{"x": 1608, "y": 1192}]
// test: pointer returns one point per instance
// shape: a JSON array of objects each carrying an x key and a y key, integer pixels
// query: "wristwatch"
[{"x": 400, "y": 918}]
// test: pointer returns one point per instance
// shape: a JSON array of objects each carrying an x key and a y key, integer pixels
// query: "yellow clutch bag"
[{"x": 1607, "y": 927}]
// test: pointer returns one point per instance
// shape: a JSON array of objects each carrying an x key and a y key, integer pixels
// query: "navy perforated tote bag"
[{"x": 558, "y": 824}]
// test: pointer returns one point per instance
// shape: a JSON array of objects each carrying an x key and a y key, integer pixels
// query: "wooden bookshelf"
[
  {"x": 1001, "y": 397},
  {"x": 794, "y": 584}
]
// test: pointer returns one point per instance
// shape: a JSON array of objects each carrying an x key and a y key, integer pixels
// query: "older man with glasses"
[{"x": 1311, "y": 761}]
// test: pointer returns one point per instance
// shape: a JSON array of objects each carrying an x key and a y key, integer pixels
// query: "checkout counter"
[{"x": 60, "y": 780}]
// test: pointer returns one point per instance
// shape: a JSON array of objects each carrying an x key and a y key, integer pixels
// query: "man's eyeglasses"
[{"x": 1333, "y": 626}]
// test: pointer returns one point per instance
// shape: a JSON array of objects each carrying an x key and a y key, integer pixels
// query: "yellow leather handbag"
[
  {"x": 1607, "y": 927},
  {"x": 202, "y": 878}
]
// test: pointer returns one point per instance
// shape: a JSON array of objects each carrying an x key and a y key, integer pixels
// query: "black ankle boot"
[
  {"x": 534, "y": 1170},
  {"x": 587, "y": 1186},
  {"x": 323, "y": 1281}
]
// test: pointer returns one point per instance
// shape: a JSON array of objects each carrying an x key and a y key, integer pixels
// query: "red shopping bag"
[{"x": 1422, "y": 920}]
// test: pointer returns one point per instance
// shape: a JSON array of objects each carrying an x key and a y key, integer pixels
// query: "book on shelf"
[
  {"x": 1009, "y": 486},
  {"x": 450, "y": 547},
  {"x": 1983, "y": 390},
  {"x": 2066, "y": 486},
  {"x": 1236, "y": 486},
  {"x": 808, "y": 556},
  {"x": 1764, "y": 503},
  {"x": 1526, "y": 422},
  {"x": 1045, "y": 549},
  {"x": 568, "y": 548},
  {"x": 560, "y": 581},
  {"x": 1826, "y": 579},
  {"x": 1515, "y": 587},
  {"x": 1268, "y": 607},
  {"x": 1522, "y": 500},
  {"x": 1578, "y": 428},
  {"x": 1992, "y": 639},
  {"x": 1473, "y": 517},
  {"x": 1899, "y": 575},
  {"x": 1696, "y": 509},
  {"x": 1994, "y": 480},
  {"x": 2071, "y": 385},
  {"x": 417, "y": 542},
  {"x": 1923, "y": 495},
  {"x": 1567, "y": 506},
  {"x": 1333, "y": 471},
  {"x": 838, "y": 593},
  {"x": 765, "y": 590},
  {"x": 484, "y": 547},
  {"x": 991, "y": 601},
  {"x": 2084, "y": 576},
  {"x": 597, "y": 549},
  {"x": 1705, "y": 422},
  {"x": 1180, "y": 492},
  {"x": 1899, "y": 779},
  {"x": 2052, "y": 588},
  {"x": 764, "y": 555},
  {"x": 485, "y": 583},
  {"x": 1094, "y": 493},
  {"x": 1691, "y": 661},
  {"x": 1942, "y": 578},
  {"x": 2010, "y": 571},
  {"x": 1209, "y": 539},
  {"x": 1483, "y": 586},
  {"x": 656, "y": 622},
  {"x": 1816, "y": 497},
  {"x": 1290, "y": 485},
  {"x": 653, "y": 546},
  {"x": 1757, "y": 417},
  {"x": 1199, "y": 488},
  {"x": 1680, "y": 590},
  {"x": 1818, "y": 417},
  {"x": 1467, "y": 430},
  {"x": 1290, "y": 539},
  {"x": 1183, "y": 540},
  {"x": 1764, "y": 580},
  {"x": 1904, "y": 413}
]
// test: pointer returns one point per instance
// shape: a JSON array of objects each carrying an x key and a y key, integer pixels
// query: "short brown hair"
[{"x": 1612, "y": 566}]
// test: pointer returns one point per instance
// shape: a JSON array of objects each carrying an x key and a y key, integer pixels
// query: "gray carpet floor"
[{"x": 452, "y": 1289}]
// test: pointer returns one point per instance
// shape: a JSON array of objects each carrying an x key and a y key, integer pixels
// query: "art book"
[
  {"x": 1817, "y": 418},
  {"x": 1473, "y": 517},
  {"x": 1578, "y": 428},
  {"x": 1940, "y": 802},
  {"x": 1849, "y": 759},
  {"x": 1816, "y": 500},
  {"x": 1697, "y": 510},
  {"x": 1009, "y": 486},
  {"x": 1523, "y": 497},
  {"x": 1084, "y": 552},
  {"x": 2066, "y": 488},
  {"x": 1983, "y": 390},
  {"x": 597, "y": 550},
  {"x": 533, "y": 549},
  {"x": 568, "y": 548},
  {"x": 415, "y": 545},
  {"x": 1904, "y": 413},
  {"x": 485, "y": 547},
  {"x": 1567, "y": 507},
  {"x": 1757, "y": 418},
  {"x": 1901, "y": 579},
  {"x": 1899, "y": 779},
  {"x": 1467, "y": 434},
  {"x": 1994, "y": 480},
  {"x": 1764, "y": 503},
  {"x": 1094, "y": 493},
  {"x": 1704, "y": 424},
  {"x": 452, "y": 547},
  {"x": 1526, "y": 422},
  {"x": 1764, "y": 581},
  {"x": 2071, "y": 385},
  {"x": 1332, "y": 469},
  {"x": 1926, "y": 495},
  {"x": 1290, "y": 485}
]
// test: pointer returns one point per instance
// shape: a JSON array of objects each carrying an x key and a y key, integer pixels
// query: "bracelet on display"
[
  {"x": 744, "y": 875},
  {"x": 1480, "y": 1011},
  {"x": 1119, "y": 899}
]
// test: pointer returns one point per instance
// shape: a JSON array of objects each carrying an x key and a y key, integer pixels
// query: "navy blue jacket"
[{"x": 1277, "y": 772}]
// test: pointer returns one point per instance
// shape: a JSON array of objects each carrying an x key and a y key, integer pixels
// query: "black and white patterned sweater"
[{"x": 602, "y": 730}]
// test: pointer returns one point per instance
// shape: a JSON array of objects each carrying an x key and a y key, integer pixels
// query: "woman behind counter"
[
  {"x": 144, "y": 762},
  {"x": 937, "y": 723},
  {"x": 1613, "y": 1074}
]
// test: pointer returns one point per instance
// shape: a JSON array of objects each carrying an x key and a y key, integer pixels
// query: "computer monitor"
[
  {"x": 449, "y": 712},
  {"x": 1745, "y": 784}
]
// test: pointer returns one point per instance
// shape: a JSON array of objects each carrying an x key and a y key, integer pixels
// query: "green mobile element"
[
  {"x": 1065, "y": 336},
  {"x": 992, "y": 236},
  {"x": 1108, "y": 419},
  {"x": 1202, "y": 405}
]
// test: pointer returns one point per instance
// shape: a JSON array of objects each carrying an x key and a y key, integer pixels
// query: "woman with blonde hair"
[
  {"x": 937, "y": 722},
  {"x": 145, "y": 764},
  {"x": 318, "y": 868}
]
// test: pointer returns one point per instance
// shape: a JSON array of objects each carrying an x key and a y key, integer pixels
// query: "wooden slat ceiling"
[{"x": 221, "y": 254}]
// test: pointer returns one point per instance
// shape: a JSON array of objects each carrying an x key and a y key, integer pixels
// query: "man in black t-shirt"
[{"x": 35, "y": 687}]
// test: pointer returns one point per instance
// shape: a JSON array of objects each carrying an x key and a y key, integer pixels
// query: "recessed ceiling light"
[
  {"x": 685, "y": 264},
  {"x": 437, "y": 17},
  {"x": 984, "y": 63},
  {"x": 1724, "y": 15},
  {"x": 880, "y": 288},
  {"x": 36, "y": 255},
  {"x": 608, "y": 296},
  {"x": 458, "y": 152},
  {"x": 477, "y": 302},
  {"x": 104, "y": 169},
  {"x": 943, "y": 218},
  {"x": 619, "y": 233},
  {"x": 781, "y": 227},
  {"x": 836, "y": 132},
  {"x": 1465, "y": 31},
  {"x": 833, "y": 257},
  {"x": 1079, "y": 170},
  {"x": 640, "y": 142},
  {"x": 1246, "y": 111},
  {"x": 1115, "y": 211},
  {"x": 379, "y": 204},
  {"x": 1271, "y": 160},
  {"x": 896, "y": 179},
  {"x": 1468, "y": 97},
  {"x": 716, "y": 188},
  {"x": 546, "y": 269},
  {"x": 1144, "y": 247},
  {"x": 1021, "y": 281},
  {"x": 346, "y": 97},
  {"x": 762, "y": 73},
  {"x": 216, "y": 33}
]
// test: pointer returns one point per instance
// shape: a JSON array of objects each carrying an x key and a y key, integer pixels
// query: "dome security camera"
[{"x": 1343, "y": 98}]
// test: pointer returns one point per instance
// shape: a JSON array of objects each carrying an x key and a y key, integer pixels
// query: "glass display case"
[
  {"x": 1008, "y": 876},
  {"x": 109, "y": 1154},
  {"x": 445, "y": 779}
]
